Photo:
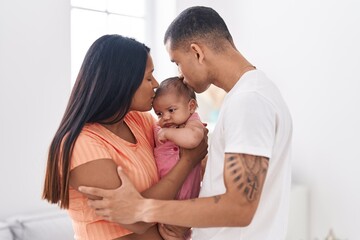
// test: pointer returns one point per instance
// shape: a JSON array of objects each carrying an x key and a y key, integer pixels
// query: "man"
[{"x": 246, "y": 186}]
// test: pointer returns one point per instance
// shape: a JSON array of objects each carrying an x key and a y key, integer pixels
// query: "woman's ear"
[
  {"x": 198, "y": 52},
  {"x": 192, "y": 105}
]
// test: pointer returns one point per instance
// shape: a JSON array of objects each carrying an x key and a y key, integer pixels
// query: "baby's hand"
[{"x": 161, "y": 135}]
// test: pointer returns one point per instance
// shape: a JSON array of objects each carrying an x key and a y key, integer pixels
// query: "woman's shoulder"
[
  {"x": 91, "y": 129},
  {"x": 94, "y": 133},
  {"x": 141, "y": 118},
  {"x": 142, "y": 123},
  {"x": 140, "y": 114}
]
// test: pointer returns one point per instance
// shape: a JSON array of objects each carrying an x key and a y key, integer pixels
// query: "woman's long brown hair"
[{"x": 111, "y": 72}]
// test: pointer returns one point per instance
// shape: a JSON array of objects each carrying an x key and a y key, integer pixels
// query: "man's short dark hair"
[{"x": 198, "y": 25}]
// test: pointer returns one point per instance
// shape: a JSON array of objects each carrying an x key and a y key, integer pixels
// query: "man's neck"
[{"x": 233, "y": 67}]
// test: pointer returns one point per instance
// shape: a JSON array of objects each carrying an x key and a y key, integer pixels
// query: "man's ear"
[
  {"x": 198, "y": 52},
  {"x": 192, "y": 105}
]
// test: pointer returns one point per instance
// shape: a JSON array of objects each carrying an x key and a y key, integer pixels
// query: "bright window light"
[{"x": 91, "y": 19}]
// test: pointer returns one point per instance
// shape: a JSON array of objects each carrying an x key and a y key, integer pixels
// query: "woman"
[{"x": 106, "y": 125}]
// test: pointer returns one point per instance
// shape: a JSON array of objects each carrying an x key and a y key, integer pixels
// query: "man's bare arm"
[{"x": 244, "y": 177}]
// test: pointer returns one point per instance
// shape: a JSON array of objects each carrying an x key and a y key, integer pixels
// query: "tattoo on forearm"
[{"x": 246, "y": 171}]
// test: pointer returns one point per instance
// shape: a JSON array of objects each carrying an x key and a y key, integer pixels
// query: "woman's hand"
[{"x": 198, "y": 153}]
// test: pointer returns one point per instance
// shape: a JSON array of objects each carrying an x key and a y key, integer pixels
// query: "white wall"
[
  {"x": 156, "y": 29},
  {"x": 34, "y": 87},
  {"x": 311, "y": 50}
]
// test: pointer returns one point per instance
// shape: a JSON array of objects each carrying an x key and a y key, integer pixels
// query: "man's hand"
[{"x": 122, "y": 205}]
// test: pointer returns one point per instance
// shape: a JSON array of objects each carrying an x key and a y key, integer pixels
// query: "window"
[{"x": 91, "y": 19}]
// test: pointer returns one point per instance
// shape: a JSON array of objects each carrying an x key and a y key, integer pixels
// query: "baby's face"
[{"x": 171, "y": 110}]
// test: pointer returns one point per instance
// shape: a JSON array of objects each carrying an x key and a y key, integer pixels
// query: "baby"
[{"x": 178, "y": 126}]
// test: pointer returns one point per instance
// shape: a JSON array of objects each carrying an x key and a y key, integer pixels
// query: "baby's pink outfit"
[{"x": 167, "y": 155}]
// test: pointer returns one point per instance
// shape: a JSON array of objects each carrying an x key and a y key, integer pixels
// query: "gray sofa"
[{"x": 54, "y": 225}]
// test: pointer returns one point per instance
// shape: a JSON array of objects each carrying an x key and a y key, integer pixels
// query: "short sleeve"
[
  {"x": 250, "y": 122},
  {"x": 88, "y": 148}
]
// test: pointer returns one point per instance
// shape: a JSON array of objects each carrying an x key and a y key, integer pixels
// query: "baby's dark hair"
[{"x": 177, "y": 86}]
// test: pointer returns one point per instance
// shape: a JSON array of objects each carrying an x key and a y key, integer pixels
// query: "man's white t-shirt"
[{"x": 255, "y": 120}]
